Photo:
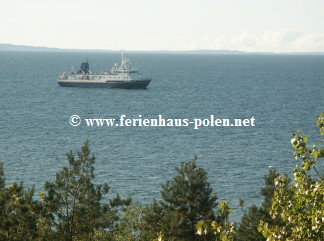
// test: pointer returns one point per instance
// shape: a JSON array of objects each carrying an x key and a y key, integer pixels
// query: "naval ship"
[{"x": 124, "y": 77}]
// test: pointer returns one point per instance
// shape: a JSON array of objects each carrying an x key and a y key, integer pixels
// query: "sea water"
[{"x": 284, "y": 93}]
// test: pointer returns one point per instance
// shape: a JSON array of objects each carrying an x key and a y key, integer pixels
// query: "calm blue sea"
[{"x": 283, "y": 92}]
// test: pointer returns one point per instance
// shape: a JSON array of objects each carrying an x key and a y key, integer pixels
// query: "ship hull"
[{"x": 110, "y": 84}]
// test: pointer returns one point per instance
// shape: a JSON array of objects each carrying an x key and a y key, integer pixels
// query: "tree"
[
  {"x": 73, "y": 202},
  {"x": 186, "y": 199},
  {"x": 129, "y": 224},
  {"x": 248, "y": 229},
  {"x": 18, "y": 211},
  {"x": 223, "y": 231},
  {"x": 300, "y": 205}
]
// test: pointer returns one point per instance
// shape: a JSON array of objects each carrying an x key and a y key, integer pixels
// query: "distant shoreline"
[{"x": 25, "y": 48}]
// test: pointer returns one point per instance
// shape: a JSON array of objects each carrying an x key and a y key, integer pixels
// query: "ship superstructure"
[{"x": 124, "y": 76}]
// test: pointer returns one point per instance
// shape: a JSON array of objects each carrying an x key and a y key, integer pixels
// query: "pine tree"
[
  {"x": 186, "y": 199},
  {"x": 73, "y": 202},
  {"x": 248, "y": 229},
  {"x": 18, "y": 211}
]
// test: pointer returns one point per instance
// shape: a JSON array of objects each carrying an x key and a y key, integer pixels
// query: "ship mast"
[{"x": 122, "y": 56}]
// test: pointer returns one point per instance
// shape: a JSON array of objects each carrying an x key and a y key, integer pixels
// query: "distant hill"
[{"x": 12, "y": 47}]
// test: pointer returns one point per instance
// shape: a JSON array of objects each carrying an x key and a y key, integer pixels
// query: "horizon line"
[{"x": 44, "y": 48}]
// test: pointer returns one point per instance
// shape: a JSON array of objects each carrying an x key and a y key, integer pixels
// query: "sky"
[{"x": 245, "y": 25}]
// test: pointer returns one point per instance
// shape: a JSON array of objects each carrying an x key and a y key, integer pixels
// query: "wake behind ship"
[{"x": 124, "y": 77}]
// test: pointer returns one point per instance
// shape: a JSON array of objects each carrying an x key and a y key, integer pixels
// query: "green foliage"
[
  {"x": 73, "y": 202},
  {"x": 2, "y": 178},
  {"x": 300, "y": 205},
  {"x": 186, "y": 199},
  {"x": 248, "y": 229},
  {"x": 18, "y": 211},
  {"x": 226, "y": 229},
  {"x": 129, "y": 224},
  {"x": 223, "y": 231}
]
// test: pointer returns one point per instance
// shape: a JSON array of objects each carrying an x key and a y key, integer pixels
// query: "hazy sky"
[{"x": 248, "y": 25}]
